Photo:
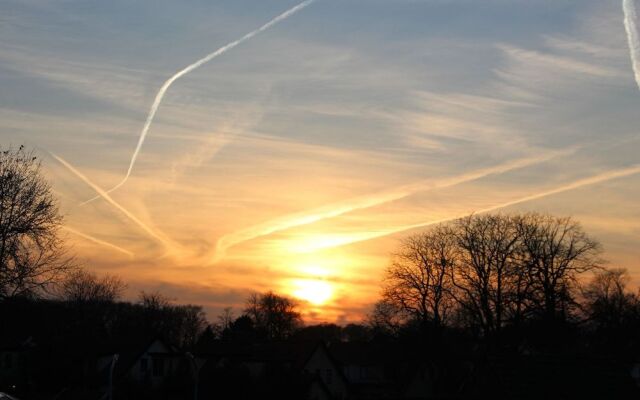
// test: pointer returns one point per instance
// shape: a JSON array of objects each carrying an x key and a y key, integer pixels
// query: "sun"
[{"x": 315, "y": 291}]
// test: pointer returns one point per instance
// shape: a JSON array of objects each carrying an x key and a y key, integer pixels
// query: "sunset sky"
[{"x": 296, "y": 160}]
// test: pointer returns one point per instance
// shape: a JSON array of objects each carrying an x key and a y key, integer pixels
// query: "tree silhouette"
[
  {"x": 83, "y": 286},
  {"x": 555, "y": 251},
  {"x": 488, "y": 270},
  {"x": 32, "y": 256},
  {"x": 419, "y": 280},
  {"x": 607, "y": 302},
  {"x": 179, "y": 324},
  {"x": 486, "y": 267},
  {"x": 387, "y": 318},
  {"x": 276, "y": 316}
]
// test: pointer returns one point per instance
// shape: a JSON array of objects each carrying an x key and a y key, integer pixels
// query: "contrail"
[
  {"x": 633, "y": 35},
  {"x": 159, "y": 237},
  {"x": 186, "y": 70},
  {"x": 228, "y": 130},
  {"x": 99, "y": 241},
  {"x": 360, "y": 203},
  {"x": 592, "y": 180}
]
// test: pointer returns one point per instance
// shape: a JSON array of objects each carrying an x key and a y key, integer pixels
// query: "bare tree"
[
  {"x": 32, "y": 256},
  {"x": 387, "y": 318},
  {"x": 226, "y": 318},
  {"x": 225, "y": 322},
  {"x": 555, "y": 251},
  {"x": 419, "y": 280},
  {"x": 181, "y": 324},
  {"x": 191, "y": 320},
  {"x": 276, "y": 316},
  {"x": 154, "y": 301},
  {"x": 496, "y": 269},
  {"x": 608, "y": 304},
  {"x": 84, "y": 286},
  {"x": 484, "y": 275}
]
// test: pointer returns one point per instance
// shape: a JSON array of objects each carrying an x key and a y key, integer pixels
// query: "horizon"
[{"x": 297, "y": 155}]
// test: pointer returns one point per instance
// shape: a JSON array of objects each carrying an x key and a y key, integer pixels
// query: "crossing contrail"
[
  {"x": 633, "y": 36},
  {"x": 158, "y": 236},
  {"x": 336, "y": 210},
  {"x": 186, "y": 70},
  {"x": 98, "y": 241},
  {"x": 580, "y": 183}
]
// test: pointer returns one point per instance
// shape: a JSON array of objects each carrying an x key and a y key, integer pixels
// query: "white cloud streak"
[
  {"x": 186, "y": 70},
  {"x": 335, "y": 210},
  {"x": 633, "y": 36},
  {"x": 99, "y": 241},
  {"x": 151, "y": 232},
  {"x": 592, "y": 180}
]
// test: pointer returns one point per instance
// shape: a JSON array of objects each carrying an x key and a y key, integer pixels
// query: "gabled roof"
[
  {"x": 560, "y": 377},
  {"x": 130, "y": 352}
]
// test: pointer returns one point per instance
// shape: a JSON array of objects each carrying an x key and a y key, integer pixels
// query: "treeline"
[
  {"x": 273, "y": 317},
  {"x": 88, "y": 310},
  {"x": 507, "y": 279},
  {"x": 58, "y": 337}
]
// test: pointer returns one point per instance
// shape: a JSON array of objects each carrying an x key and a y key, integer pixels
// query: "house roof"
[
  {"x": 559, "y": 377},
  {"x": 129, "y": 352}
]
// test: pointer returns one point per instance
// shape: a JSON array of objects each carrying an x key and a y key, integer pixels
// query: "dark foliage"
[{"x": 32, "y": 255}]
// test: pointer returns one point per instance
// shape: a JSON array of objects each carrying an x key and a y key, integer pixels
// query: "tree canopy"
[
  {"x": 490, "y": 270},
  {"x": 32, "y": 255}
]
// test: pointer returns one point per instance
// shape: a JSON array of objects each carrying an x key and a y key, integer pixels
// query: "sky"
[{"x": 297, "y": 158}]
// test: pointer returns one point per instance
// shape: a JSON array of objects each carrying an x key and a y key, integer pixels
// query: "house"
[
  {"x": 153, "y": 364},
  {"x": 312, "y": 370},
  {"x": 566, "y": 376},
  {"x": 382, "y": 372},
  {"x": 287, "y": 370},
  {"x": 321, "y": 364},
  {"x": 143, "y": 367},
  {"x": 14, "y": 355}
]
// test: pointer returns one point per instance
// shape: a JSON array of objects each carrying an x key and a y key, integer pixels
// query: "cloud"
[
  {"x": 364, "y": 202},
  {"x": 186, "y": 70},
  {"x": 341, "y": 240},
  {"x": 151, "y": 232},
  {"x": 568, "y": 64},
  {"x": 631, "y": 27},
  {"x": 239, "y": 123},
  {"x": 99, "y": 241},
  {"x": 108, "y": 83}
]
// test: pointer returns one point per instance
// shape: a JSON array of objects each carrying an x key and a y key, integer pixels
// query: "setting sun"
[{"x": 315, "y": 291}]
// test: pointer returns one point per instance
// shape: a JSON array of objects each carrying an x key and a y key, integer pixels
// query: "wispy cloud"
[
  {"x": 335, "y": 210},
  {"x": 239, "y": 123},
  {"x": 98, "y": 241},
  {"x": 151, "y": 232},
  {"x": 568, "y": 64},
  {"x": 569, "y": 44},
  {"x": 633, "y": 36},
  {"x": 188, "y": 69},
  {"x": 344, "y": 239},
  {"x": 107, "y": 82}
]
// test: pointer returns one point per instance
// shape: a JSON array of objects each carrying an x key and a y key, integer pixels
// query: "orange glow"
[{"x": 315, "y": 291}]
